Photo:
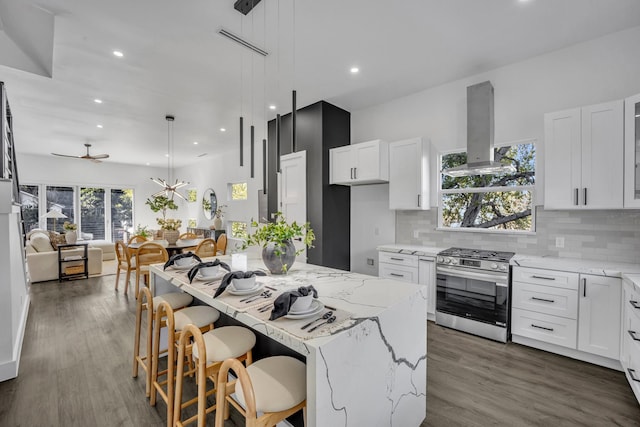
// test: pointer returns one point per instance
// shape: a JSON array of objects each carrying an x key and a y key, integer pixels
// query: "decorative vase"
[
  {"x": 171, "y": 236},
  {"x": 279, "y": 259},
  {"x": 71, "y": 237},
  {"x": 217, "y": 223}
]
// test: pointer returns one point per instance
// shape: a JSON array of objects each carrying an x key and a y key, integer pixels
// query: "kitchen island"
[{"x": 369, "y": 368}]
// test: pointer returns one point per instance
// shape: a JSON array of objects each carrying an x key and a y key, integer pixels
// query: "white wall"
[{"x": 588, "y": 73}]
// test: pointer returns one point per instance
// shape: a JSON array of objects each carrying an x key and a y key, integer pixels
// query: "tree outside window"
[{"x": 496, "y": 202}]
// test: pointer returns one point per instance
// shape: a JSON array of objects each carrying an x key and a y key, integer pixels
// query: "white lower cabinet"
[
  {"x": 630, "y": 336},
  {"x": 413, "y": 269},
  {"x": 580, "y": 312}
]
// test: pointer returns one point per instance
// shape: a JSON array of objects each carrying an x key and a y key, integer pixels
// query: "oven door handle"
[{"x": 500, "y": 281}]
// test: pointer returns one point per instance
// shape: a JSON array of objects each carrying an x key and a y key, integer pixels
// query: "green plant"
[
  {"x": 219, "y": 211},
  {"x": 69, "y": 226},
  {"x": 142, "y": 231},
  {"x": 279, "y": 232},
  {"x": 162, "y": 204},
  {"x": 169, "y": 224}
]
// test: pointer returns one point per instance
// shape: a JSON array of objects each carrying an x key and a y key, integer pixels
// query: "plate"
[
  {"x": 318, "y": 308},
  {"x": 233, "y": 291},
  {"x": 311, "y": 308},
  {"x": 216, "y": 276},
  {"x": 185, "y": 267}
]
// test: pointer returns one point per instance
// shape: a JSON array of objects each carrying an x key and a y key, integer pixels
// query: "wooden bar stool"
[
  {"x": 199, "y": 316},
  {"x": 275, "y": 386},
  {"x": 176, "y": 300},
  {"x": 148, "y": 253},
  {"x": 125, "y": 262},
  {"x": 209, "y": 350}
]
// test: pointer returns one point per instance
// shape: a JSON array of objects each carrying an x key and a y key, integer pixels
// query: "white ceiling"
[{"x": 176, "y": 63}]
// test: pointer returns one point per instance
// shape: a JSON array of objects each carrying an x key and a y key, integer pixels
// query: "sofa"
[
  {"x": 42, "y": 258},
  {"x": 108, "y": 248}
]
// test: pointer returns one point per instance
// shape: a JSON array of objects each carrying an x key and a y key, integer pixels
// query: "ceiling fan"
[{"x": 95, "y": 158}]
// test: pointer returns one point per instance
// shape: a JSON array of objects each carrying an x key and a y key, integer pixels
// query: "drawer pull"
[
  {"x": 397, "y": 259},
  {"x": 632, "y": 374},
  {"x": 541, "y": 327},
  {"x": 543, "y": 299},
  {"x": 396, "y": 275},
  {"x": 633, "y": 335},
  {"x": 543, "y": 278},
  {"x": 634, "y": 304}
]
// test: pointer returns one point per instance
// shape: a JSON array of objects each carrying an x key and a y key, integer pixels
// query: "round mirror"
[{"x": 209, "y": 203}]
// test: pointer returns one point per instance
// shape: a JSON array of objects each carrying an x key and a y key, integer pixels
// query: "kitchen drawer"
[
  {"x": 545, "y": 299},
  {"x": 399, "y": 272},
  {"x": 632, "y": 371},
  {"x": 631, "y": 301},
  {"x": 398, "y": 259},
  {"x": 542, "y": 327},
  {"x": 559, "y": 279}
]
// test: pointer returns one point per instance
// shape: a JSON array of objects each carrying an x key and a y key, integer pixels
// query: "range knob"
[
  {"x": 440, "y": 259},
  {"x": 503, "y": 267},
  {"x": 454, "y": 261},
  {"x": 447, "y": 260},
  {"x": 494, "y": 266}
]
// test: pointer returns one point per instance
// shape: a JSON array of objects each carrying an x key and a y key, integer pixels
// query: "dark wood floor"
[{"x": 76, "y": 371}]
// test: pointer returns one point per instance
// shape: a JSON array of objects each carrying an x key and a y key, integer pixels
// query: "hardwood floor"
[{"x": 76, "y": 371}]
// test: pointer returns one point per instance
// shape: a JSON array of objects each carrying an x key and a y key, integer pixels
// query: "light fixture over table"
[{"x": 169, "y": 190}]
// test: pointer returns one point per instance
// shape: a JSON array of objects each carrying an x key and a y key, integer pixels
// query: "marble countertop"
[
  {"x": 584, "y": 266},
  {"x": 410, "y": 249}
]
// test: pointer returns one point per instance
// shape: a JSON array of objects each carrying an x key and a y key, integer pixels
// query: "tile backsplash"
[{"x": 611, "y": 235}]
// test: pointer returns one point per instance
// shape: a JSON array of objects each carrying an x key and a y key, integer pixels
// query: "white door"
[
  {"x": 366, "y": 157},
  {"x": 292, "y": 197},
  {"x": 599, "y": 319},
  {"x": 563, "y": 160},
  {"x": 340, "y": 165}
]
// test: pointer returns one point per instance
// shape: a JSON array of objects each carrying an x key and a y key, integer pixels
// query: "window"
[
  {"x": 238, "y": 191},
  {"x": 121, "y": 212},
  {"x": 30, "y": 205},
  {"x": 494, "y": 202},
  {"x": 61, "y": 199},
  {"x": 238, "y": 229},
  {"x": 92, "y": 203}
]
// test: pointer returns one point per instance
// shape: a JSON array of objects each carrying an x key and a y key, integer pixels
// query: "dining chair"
[
  {"x": 136, "y": 239},
  {"x": 148, "y": 253},
  {"x": 125, "y": 262},
  {"x": 206, "y": 248},
  {"x": 188, "y": 235},
  {"x": 209, "y": 351},
  {"x": 221, "y": 244},
  {"x": 275, "y": 387}
]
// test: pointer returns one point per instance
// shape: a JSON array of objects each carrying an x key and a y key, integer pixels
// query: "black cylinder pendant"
[
  {"x": 293, "y": 121},
  {"x": 264, "y": 166},
  {"x": 241, "y": 142},
  {"x": 278, "y": 126},
  {"x": 252, "y": 148}
]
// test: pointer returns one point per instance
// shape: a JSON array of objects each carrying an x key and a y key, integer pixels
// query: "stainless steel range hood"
[{"x": 480, "y": 135}]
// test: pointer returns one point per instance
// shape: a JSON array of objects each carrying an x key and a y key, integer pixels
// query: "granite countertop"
[
  {"x": 584, "y": 266},
  {"x": 410, "y": 249}
]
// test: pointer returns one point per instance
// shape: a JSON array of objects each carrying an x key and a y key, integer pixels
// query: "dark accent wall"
[{"x": 320, "y": 127}]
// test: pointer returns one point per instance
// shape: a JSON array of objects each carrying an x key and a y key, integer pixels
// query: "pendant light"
[{"x": 169, "y": 190}]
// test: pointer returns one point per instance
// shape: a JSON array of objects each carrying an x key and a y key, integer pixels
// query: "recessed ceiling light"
[
  {"x": 195, "y": 142},
  {"x": 99, "y": 126},
  {"x": 223, "y": 130},
  {"x": 272, "y": 107},
  {"x": 166, "y": 155},
  {"x": 148, "y": 163},
  {"x": 97, "y": 101},
  {"x": 118, "y": 53},
  {"x": 355, "y": 70}
]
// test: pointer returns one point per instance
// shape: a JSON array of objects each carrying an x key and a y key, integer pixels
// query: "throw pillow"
[
  {"x": 41, "y": 243},
  {"x": 57, "y": 239}
]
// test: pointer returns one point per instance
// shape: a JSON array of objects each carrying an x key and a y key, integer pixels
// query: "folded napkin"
[
  {"x": 192, "y": 273},
  {"x": 173, "y": 259},
  {"x": 282, "y": 304},
  {"x": 236, "y": 275}
]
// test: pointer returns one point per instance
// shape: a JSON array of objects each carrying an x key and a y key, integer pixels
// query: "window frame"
[{"x": 530, "y": 188}]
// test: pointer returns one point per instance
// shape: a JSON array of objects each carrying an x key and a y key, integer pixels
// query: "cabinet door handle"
[
  {"x": 418, "y": 200},
  {"x": 632, "y": 374},
  {"x": 355, "y": 173},
  {"x": 633, "y": 335},
  {"x": 575, "y": 200},
  {"x": 541, "y": 327},
  {"x": 584, "y": 287},
  {"x": 542, "y": 299},
  {"x": 351, "y": 173},
  {"x": 396, "y": 259},
  {"x": 543, "y": 278},
  {"x": 634, "y": 304},
  {"x": 396, "y": 275},
  {"x": 585, "y": 197}
]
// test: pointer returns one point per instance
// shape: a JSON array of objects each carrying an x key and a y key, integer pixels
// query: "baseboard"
[
  {"x": 9, "y": 369},
  {"x": 568, "y": 352}
]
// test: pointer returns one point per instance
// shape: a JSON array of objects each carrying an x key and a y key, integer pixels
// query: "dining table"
[
  {"x": 368, "y": 366},
  {"x": 172, "y": 248}
]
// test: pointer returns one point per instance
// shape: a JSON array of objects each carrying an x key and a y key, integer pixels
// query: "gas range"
[{"x": 476, "y": 259}]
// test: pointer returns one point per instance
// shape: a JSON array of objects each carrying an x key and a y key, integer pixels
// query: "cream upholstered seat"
[
  {"x": 199, "y": 315},
  {"x": 209, "y": 350},
  {"x": 274, "y": 386},
  {"x": 175, "y": 300},
  {"x": 279, "y": 383}
]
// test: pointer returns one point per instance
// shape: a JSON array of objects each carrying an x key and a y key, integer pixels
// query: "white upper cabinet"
[
  {"x": 632, "y": 152},
  {"x": 584, "y": 157},
  {"x": 362, "y": 163},
  {"x": 409, "y": 174}
]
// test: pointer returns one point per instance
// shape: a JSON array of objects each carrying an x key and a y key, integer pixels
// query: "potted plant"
[
  {"x": 71, "y": 232},
  {"x": 142, "y": 231},
  {"x": 218, "y": 214},
  {"x": 276, "y": 239},
  {"x": 170, "y": 227}
]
